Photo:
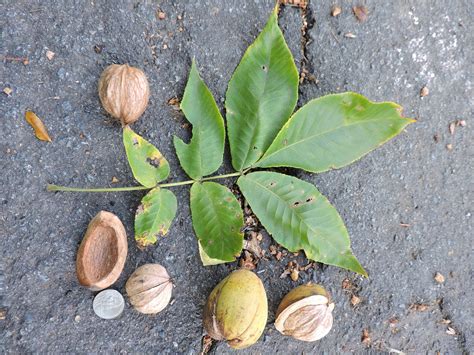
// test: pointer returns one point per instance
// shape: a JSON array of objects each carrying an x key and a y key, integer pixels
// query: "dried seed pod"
[
  {"x": 236, "y": 310},
  {"x": 102, "y": 252},
  {"x": 149, "y": 288},
  {"x": 124, "y": 92},
  {"x": 305, "y": 313}
]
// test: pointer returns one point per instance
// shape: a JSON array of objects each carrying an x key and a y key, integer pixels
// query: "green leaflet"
[
  {"x": 299, "y": 217},
  {"x": 206, "y": 260},
  {"x": 154, "y": 216},
  {"x": 333, "y": 131},
  {"x": 217, "y": 220},
  {"x": 261, "y": 95},
  {"x": 148, "y": 165},
  {"x": 203, "y": 155}
]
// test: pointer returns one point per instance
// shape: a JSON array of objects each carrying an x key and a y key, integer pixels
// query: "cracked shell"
[
  {"x": 237, "y": 309},
  {"x": 305, "y": 313}
]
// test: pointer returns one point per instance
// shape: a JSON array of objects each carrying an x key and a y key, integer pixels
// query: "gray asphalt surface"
[{"x": 414, "y": 179}]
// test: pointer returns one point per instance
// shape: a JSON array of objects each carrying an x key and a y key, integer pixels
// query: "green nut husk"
[{"x": 237, "y": 309}]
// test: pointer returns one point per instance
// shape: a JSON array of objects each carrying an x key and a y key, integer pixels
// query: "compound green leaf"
[
  {"x": 333, "y": 131},
  {"x": 154, "y": 216},
  {"x": 261, "y": 95},
  {"x": 217, "y": 220},
  {"x": 148, "y": 165},
  {"x": 299, "y": 217},
  {"x": 203, "y": 155}
]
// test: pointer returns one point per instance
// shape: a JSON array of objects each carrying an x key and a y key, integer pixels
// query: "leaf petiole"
[{"x": 52, "y": 187}]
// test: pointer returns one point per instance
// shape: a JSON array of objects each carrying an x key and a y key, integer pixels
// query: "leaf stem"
[{"x": 51, "y": 187}]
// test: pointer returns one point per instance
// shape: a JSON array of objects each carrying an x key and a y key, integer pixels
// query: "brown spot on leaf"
[{"x": 155, "y": 161}]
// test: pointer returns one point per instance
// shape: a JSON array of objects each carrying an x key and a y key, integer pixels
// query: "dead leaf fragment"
[
  {"x": 114, "y": 180},
  {"x": 449, "y": 146},
  {"x": 3, "y": 314},
  {"x": 365, "y": 338},
  {"x": 445, "y": 321},
  {"x": 247, "y": 261},
  {"x": 347, "y": 284},
  {"x": 360, "y": 13},
  {"x": 424, "y": 91},
  {"x": 40, "y": 130},
  {"x": 335, "y": 11},
  {"x": 7, "y": 91},
  {"x": 253, "y": 245},
  {"x": 350, "y": 35},
  {"x": 439, "y": 278},
  {"x": 50, "y": 55},
  {"x": 461, "y": 123},
  {"x": 206, "y": 344}
]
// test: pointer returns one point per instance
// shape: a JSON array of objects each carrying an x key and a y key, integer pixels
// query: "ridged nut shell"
[
  {"x": 149, "y": 288},
  {"x": 102, "y": 253},
  {"x": 124, "y": 92},
  {"x": 305, "y": 313},
  {"x": 237, "y": 309}
]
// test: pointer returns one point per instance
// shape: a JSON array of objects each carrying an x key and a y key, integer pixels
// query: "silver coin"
[{"x": 108, "y": 304}]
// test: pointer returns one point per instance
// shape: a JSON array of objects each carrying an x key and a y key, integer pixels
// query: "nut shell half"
[
  {"x": 102, "y": 253},
  {"x": 149, "y": 288}
]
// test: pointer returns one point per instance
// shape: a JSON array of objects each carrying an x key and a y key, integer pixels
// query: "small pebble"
[
  {"x": 424, "y": 91},
  {"x": 108, "y": 304},
  {"x": 439, "y": 278}
]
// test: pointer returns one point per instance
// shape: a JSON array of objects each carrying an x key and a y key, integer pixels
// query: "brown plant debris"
[
  {"x": 461, "y": 123},
  {"x": 355, "y": 300},
  {"x": 206, "y": 344},
  {"x": 450, "y": 331},
  {"x": 419, "y": 307},
  {"x": 449, "y": 146},
  {"x": 161, "y": 15},
  {"x": 424, "y": 91},
  {"x": 252, "y": 244},
  {"x": 302, "y": 4},
  {"x": 452, "y": 127},
  {"x": 114, "y": 180},
  {"x": 439, "y": 278},
  {"x": 247, "y": 261},
  {"x": 174, "y": 102},
  {"x": 40, "y": 130},
  {"x": 361, "y": 13},
  {"x": 335, "y": 10},
  {"x": 350, "y": 35},
  {"x": 365, "y": 338},
  {"x": 7, "y": 91}
]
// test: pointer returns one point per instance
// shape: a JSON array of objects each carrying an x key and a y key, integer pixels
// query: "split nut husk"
[
  {"x": 237, "y": 309},
  {"x": 124, "y": 92},
  {"x": 102, "y": 253},
  {"x": 305, "y": 313},
  {"x": 149, "y": 288}
]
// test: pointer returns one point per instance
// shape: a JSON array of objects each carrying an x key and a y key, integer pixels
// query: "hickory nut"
[
  {"x": 236, "y": 310},
  {"x": 124, "y": 92},
  {"x": 305, "y": 313},
  {"x": 149, "y": 288}
]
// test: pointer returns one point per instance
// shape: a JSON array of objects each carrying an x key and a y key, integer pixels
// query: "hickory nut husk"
[
  {"x": 236, "y": 310},
  {"x": 149, "y": 288},
  {"x": 124, "y": 92},
  {"x": 305, "y": 313}
]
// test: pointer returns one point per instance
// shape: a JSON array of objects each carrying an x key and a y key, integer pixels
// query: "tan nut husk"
[
  {"x": 149, "y": 288},
  {"x": 305, "y": 313},
  {"x": 237, "y": 309},
  {"x": 124, "y": 92}
]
